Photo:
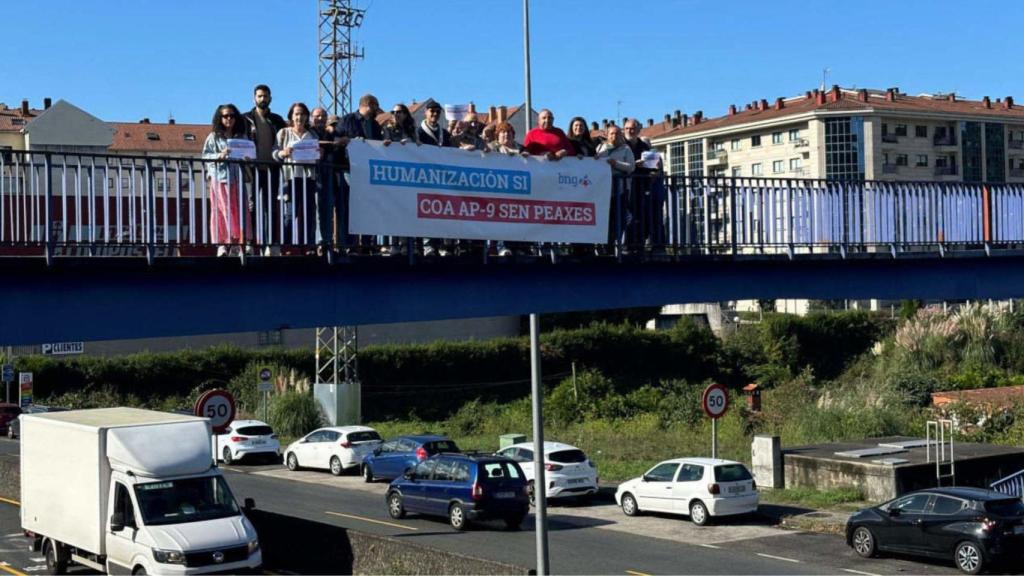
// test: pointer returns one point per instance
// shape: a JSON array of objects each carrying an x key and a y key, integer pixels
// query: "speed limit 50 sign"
[
  {"x": 219, "y": 407},
  {"x": 715, "y": 400}
]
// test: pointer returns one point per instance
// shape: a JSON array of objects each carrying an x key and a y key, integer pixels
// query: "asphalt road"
[{"x": 583, "y": 539}]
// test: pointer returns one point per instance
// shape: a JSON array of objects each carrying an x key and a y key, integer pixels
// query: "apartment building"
[{"x": 844, "y": 134}]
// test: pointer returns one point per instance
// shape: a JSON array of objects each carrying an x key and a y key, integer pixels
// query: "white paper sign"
[
  {"x": 434, "y": 192},
  {"x": 455, "y": 111},
  {"x": 650, "y": 158},
  {"x": 306, "y": 151},
  {"x": 241, "y": 149}
]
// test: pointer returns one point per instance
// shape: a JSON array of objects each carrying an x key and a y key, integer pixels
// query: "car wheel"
[
  {"x": 336, "y": 468},
  {"x": 514, "y": 522},
  {"x": 367, "y": 473},
  {"x": 395, "y": 507},
  {"x": 457, "y": 516},
  {"x": 10, "y": 433},
  {"x": 140, "y": 571},
  {"x": 54, "y": 563},
  {"x": 699, "y": 513},
  {"x": 629, "y": 506},
  {"x": 864, "y": 542},
  {"x": 293, "y": 462},
  {"x": 531, "y": 493},
  {"x": 968, "y": 558},
  {"x": 227, "y": 456}
]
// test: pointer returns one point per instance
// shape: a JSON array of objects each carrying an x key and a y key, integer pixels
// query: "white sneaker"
[
  {"x": 443, "y": 253},
  {"x": 385, "y": 251},
  {"x": 504, "y": 252},
  {"x": 428, "y": 251},
  {"x": 267, "y": 251},
  {"x": 222, "y": 251}
]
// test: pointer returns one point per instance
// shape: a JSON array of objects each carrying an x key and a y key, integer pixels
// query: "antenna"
[
  {"x": 336, "y": 51},
  {"x": 824, "y": 77}
]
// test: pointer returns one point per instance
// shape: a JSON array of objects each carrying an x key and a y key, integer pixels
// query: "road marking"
[
  {"x": 712, "y": 546},
  {"x": 15, "y": 502},
  {"x": 240, "y": 471},
  {"x": 778, "y": 558},
  {"x": 6, "y": 568},
  {"x": 859, "y": 572},
  {"x": 392, "y": 524},
  {"x": 635, "y": 573}
]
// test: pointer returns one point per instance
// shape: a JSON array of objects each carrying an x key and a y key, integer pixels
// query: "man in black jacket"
[{"x": 262, "y": 126}]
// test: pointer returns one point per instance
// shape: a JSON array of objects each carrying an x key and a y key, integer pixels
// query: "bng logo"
[{"x": 574, "y": 181}]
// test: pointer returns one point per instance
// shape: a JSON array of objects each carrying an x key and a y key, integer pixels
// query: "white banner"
[{"x": 426, "y": 191}]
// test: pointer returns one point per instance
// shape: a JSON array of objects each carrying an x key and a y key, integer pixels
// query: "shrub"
[{"x": 295, "y": 413}]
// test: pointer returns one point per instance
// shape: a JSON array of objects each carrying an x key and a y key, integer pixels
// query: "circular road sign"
[
  {"x": 715, "y": 401},
  {"x": 219, "y": 407},
  {"x": 265, "y": 375}
]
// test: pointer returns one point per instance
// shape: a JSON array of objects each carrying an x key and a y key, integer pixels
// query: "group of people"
[{"x": 267, "y": 198}]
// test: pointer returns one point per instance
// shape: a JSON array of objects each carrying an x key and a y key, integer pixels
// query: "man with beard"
[
  {"x": 262, "y": 127},
  {"x": 648, "y": 194}
]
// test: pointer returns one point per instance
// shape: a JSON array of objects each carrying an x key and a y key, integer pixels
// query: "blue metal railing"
[
  {"x": 1012, "y": 485},
  {"x": 58, "y": 204}
]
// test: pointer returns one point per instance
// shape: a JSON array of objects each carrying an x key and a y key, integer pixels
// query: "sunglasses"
[
  {"x": 228, "y": 116},
  {"x": 398, "y": 111}
]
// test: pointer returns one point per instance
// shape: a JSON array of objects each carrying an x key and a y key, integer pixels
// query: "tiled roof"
[
  {"x": 839, "y": 99},
  {"x": 180, "y": 138},
  {"x": 1004, "y": 397},
  {"x": 11, "y": 119}
]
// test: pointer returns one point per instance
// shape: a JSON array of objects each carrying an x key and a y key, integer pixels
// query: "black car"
[{"x": 974, "y": 527}]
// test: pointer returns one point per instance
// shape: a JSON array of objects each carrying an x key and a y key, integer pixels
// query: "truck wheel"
[
  {"x": 55, "y": 561},
  {"x": 336, "y": 468},
  {"x": 227, "y": 456}
]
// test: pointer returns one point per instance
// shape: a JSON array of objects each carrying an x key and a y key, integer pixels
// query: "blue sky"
[{"x": 124, "y": 60}]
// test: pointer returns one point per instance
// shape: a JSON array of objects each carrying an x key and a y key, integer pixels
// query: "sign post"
[
  {"x": 8, "y": 378},
  {"x": 219, "y": 407},
  {"x": 265, "y": 386},
  {"x": 715, "y": 402},
  {"x": 24, "y": 389}
]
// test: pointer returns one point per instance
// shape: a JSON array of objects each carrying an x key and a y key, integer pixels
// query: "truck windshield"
[{"x": 185, "y": 500}]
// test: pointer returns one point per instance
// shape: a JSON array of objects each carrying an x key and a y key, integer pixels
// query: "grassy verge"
[{"x": 847, "y": 499}]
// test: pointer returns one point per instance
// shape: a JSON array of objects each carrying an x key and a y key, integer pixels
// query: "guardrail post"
[
  {"x": 150, "y": 208},
  {"x": 733, "y": 220},
  {"x": 47, "y": 215},
  {"x": 986, "y": 216},
  {"x": 790, "y": 224}
]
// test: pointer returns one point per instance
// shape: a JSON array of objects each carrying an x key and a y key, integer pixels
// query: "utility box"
[
  {"x": 506, "y": 440},
  {"x": 766, "y": 458},
  {"x": 341, "y": 403}
]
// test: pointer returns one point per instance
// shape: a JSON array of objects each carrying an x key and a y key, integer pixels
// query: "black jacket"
[{"x": 250, "y": 123}]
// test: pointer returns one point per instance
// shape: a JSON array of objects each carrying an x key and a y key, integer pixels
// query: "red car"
[{"x": 8, "y": 413}]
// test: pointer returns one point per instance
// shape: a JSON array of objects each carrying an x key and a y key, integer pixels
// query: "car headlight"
[
  {"x": 169, "y": 556},
  {"x": 254, "y": 547}
]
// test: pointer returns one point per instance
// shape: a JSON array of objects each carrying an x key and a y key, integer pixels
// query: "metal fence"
[{"x": 57, "y": 204}]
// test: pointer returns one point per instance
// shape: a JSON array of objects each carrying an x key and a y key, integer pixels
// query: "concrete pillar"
[{"x": 766, "y": 458}]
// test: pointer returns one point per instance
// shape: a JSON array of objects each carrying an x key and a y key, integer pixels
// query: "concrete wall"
[{"x": 876, "y": 482}]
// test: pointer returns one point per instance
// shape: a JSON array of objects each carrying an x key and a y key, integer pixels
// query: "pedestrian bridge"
[{"x": 102, "y": 247}]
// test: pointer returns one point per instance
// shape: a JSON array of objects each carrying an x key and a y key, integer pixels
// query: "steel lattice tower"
[
  {"x": 336, "y": 20},
  {"x": 337, "y": 347}
]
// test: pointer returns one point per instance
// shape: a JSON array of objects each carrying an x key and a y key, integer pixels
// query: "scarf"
[{"x": 437, "y": 135}]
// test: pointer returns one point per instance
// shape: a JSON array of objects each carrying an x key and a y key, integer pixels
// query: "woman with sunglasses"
[
  {"x": 224, "y": 179},
  {"x": 401, "y": 127}
]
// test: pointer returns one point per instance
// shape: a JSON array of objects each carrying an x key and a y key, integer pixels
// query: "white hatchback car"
[
  {"x": 337, "y": 448},
  {"x": 568, "y": 471},
  {"x": 699, "y": 487},
  {"x": 244, "y": 438}
]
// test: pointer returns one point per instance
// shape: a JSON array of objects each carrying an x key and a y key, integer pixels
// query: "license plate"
[
  {"x": 577, "y": 480},
  {"x": 258, "y": 442},
  {"x": 1018, "y": 529},
  {"x": 736, "y": 489},
  {"x": 504, "y": 494}
]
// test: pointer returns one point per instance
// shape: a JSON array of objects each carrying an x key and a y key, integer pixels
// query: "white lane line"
[
  {"x": 859, "y": 572},
  {"x": 778, "y": 558},
  {"x": 365, "y": 519},
  {"x": 712, "y": 546}
]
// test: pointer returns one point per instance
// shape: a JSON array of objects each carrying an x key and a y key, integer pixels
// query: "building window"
[
  {"x": 756, "y": 170},
  {"x": 695, "y": 151},
  {"x": 995, "y": 152},
  {"x": 190, "y": 137},
  {"x": 920, "y": 131},
  {"x": 737, "y": 171},
  {"x": 152, "y": 136},
  {"x": 922, "y": 159},
  {"x": 885, "y": 129},
  {"x": 794, "y": 164},
  {"x": 778, "y": 166},
  {"x": 901, "y": 159},
  {"x": 677, "y": 159},
  {"x": 269, "y": 338},
  {"x": 718, "y": 146},
  {"x": 941, "y": 162},
  {"x": 970, "y": 150},
  {"x": 755, "y": 141},
  {"x": 844, "y": 148},
  {"x": 901, "y": 129},
  {"x": 794, "y": 135},
  {"x": 734, "y": 144},
  {"x": 776, "y": 137}
]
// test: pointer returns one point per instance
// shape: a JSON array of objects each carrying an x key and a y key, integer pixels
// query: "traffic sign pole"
[{"x": 715, "y": 401}]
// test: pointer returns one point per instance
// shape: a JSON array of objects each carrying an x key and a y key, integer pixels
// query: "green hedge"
[{"x": 428, "y": 380}]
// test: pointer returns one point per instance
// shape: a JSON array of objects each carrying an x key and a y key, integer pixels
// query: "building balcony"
[
  {"x": 717, "y": 158},
  {"x": 1015, "y": 144},
  {"x": 945, "y": 170},
  {"x": 890, "y": 169},
  {"x": 800, "y": 143},
  {"x": 890, "y": 138},
  {"x": 1016, "y": 173},
  {"x": 944, "y": 140}
]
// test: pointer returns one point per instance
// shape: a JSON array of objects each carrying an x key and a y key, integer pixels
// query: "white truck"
[{"x": 129, "y": 491}]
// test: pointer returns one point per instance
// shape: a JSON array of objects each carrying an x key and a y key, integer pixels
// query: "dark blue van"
[
  {"x": 464, "y": 488},
  {"x": 393, "y": 457}
]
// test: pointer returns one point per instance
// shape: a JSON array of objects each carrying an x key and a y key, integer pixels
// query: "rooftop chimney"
[
  {"x": 684, "y": 120},
  {"x": 819, "y": 98},
  {"x": 594, "y": 126},
  {"x": 698, "y": 116},
  {"x": 732, "y": 109},
  {"x": 748, "y": 107},
  {"x": 24, "y": 107},
  {"x": 762, "y": 105},
  {"x": 986, "y": 102},
  {"x": 1008, "y": 103},
  {"x": 492, "y": 113},
  {"x": 472, "y": 108},
  {"x": 668, "y": 120},
  {"x": 890, "y": 94},
  {"x": 951, "y": 97},
  {"x": 807, "y": 94},
  {"x": 779, "y": 103},
  {"x": 170, "y": 120},
  {"x": 47, "y": 103},
  {"x": 604, "y": 123},
  {"x": 862, "y": 95},
  {"x": 834, "y": 93},
  {"x": 650, "y": 122},
  {"x": 502, "y": 113},
  {"x": 144, "y": 121}
]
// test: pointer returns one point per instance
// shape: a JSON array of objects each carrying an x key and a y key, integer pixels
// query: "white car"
[
  {"x": 568, "y": 471},
  {"x": 247, "y": 438},
  {"x": 701, "y": 488},
  {"x": 337, "y": 448}
]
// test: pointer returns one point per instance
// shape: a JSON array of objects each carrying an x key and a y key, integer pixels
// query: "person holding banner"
[
  {"x": 547, "y": 140},
  {"x": 579, "y": 135},
  {"x": 224, "y": 179},
  {"x": 620, "y": 157},
  {"x": 401, "y": 128},
  {"x": 432, "y": 133},
  {"x": 298, "y": 148}
]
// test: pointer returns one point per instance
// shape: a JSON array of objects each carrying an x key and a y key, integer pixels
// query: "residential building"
[
  {"x": 146, "y": 138},
  {"x": 844, "y": 134},
  {"x": 57, "y": 127}
]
